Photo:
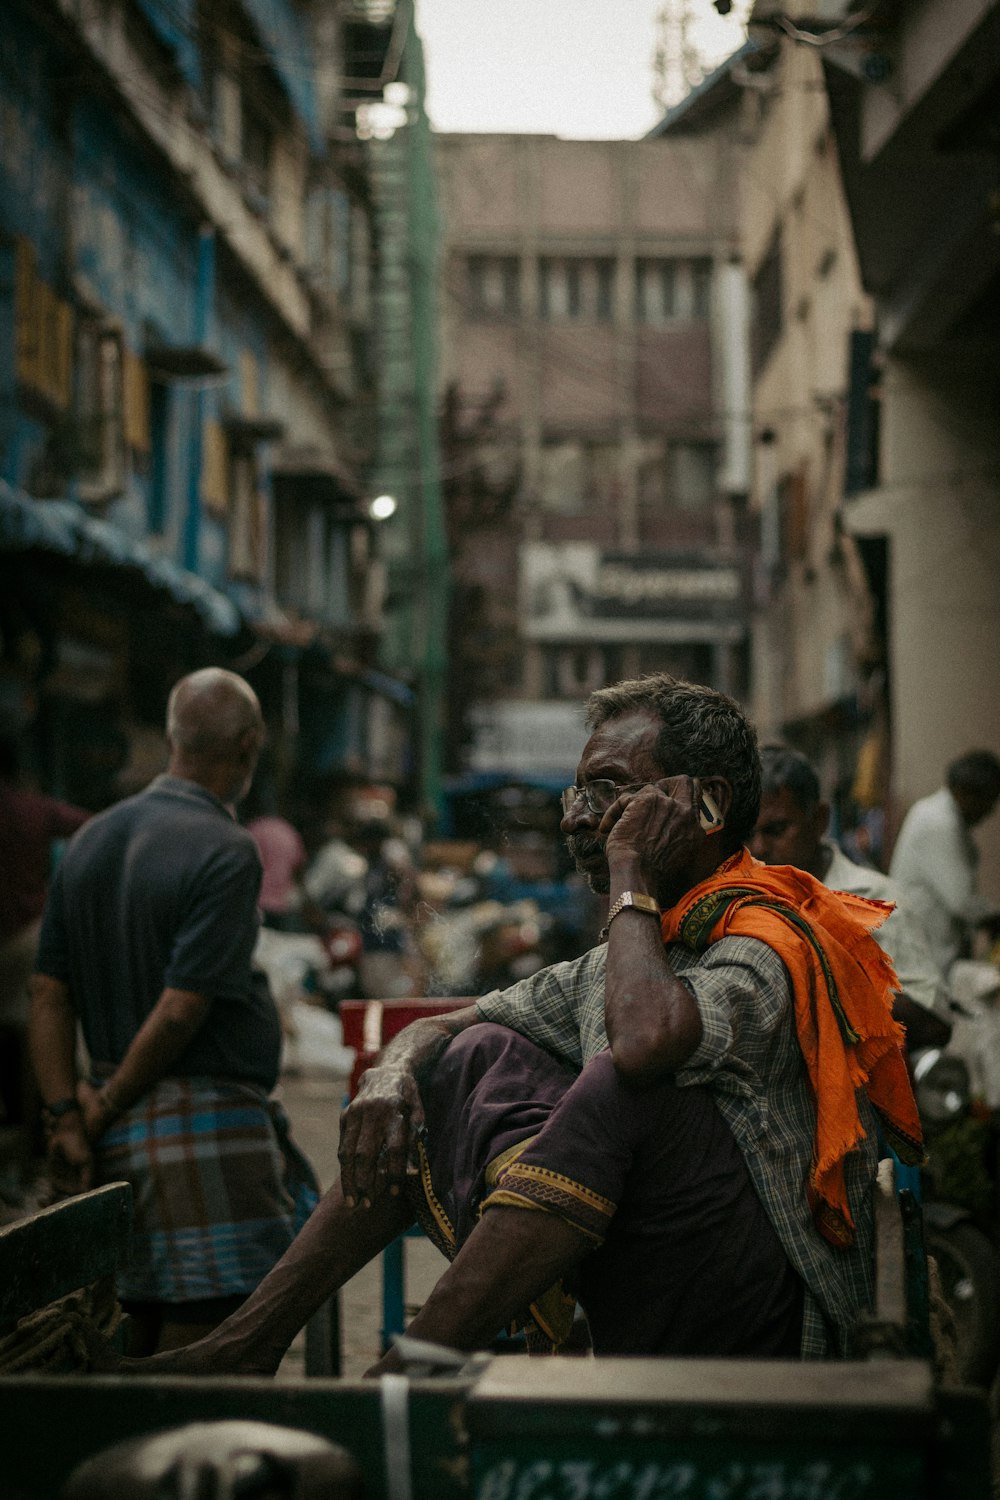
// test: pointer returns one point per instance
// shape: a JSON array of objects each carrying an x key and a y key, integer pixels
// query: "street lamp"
[{"x": 382, "y": 507}]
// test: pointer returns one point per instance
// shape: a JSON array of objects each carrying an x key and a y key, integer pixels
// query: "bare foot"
[{"x": 209, "y": 1356}]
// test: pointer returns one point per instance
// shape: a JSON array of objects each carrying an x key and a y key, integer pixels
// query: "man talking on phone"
[{"x": 677, "y": 1129}]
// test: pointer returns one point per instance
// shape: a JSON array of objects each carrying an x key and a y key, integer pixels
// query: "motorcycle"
[{"x": 960, "y": 1190}]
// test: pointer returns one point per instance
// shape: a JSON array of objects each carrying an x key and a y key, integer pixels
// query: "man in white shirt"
[
  {"x": 935, "y": 859},
  {"x": 791, "y": 830}
]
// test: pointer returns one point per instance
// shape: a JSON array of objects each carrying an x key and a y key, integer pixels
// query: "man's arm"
[
  {"x": 921, "y": 1004},
  {"x": 52, "y": 1044},
  {"x": 167, "y": 1031},
  {"x": 378, "y": 1130}
]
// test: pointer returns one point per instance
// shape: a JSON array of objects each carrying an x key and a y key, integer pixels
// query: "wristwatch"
[{"x": 637, "y": 899}]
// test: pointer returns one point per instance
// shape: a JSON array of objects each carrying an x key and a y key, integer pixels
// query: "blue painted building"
[{"x": 186, "y": 421}]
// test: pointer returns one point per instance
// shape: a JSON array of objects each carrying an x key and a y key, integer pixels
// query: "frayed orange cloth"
[{"x": 842, "y": 986}]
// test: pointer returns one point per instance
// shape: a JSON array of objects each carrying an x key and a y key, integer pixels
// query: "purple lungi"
[{"x": 685, "y": 1260}]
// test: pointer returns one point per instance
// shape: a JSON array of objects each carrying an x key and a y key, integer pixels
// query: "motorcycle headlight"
[{"x": 943, "y": 1089}]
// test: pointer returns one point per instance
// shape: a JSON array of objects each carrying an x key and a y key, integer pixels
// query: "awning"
[
  {"x": 62, "y": 527},
  {"x": 307, "y": 473}
]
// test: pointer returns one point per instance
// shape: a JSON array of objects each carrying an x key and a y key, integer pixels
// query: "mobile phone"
[{"x": 709, "y": 815}]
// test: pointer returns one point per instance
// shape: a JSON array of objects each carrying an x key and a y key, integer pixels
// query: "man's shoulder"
[
  {"x": 937, "y": 810},
  {"x": 857, "y": 880},
  {"x": 735, "y": 951}
]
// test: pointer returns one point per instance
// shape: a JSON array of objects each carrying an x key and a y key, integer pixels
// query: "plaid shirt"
[{"x": 749, "y": 1055}]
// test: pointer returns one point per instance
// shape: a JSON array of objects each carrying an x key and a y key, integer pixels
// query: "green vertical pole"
[
  {"x": 413, "y": 543},
  {"x": 424, "y": 241}
]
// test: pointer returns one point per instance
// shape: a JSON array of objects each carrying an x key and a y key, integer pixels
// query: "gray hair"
[
  {"x": 209, "y": 712},
  {"x": 785, "y": 769},
  {"x": 704, "y": 733}
]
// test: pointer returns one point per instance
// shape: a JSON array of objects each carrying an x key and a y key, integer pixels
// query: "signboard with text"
[{"x": 577, "y": 591}]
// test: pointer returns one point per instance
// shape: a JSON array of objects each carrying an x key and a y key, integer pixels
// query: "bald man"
[{"x": 147, "y": 944}]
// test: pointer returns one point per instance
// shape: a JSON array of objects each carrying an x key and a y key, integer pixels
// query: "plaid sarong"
[{"x": 219, "y": 1190}]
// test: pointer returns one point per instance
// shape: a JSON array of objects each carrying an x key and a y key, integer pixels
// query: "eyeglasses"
[{"x": 598, "y": 795}]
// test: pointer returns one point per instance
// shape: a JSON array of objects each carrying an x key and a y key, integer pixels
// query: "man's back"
[{"x": 160, "y": 891}]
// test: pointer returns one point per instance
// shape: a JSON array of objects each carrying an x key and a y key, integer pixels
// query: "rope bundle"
[{"x": 60, "y": 1338}]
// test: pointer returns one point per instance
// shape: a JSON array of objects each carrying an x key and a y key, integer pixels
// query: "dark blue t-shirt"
[{"x": 161, "y": 891}]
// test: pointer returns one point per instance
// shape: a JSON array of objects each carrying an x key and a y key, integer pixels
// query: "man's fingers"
[
  {"x": 399, "y": 1144},
  {"x": 373, "y": 1156}
]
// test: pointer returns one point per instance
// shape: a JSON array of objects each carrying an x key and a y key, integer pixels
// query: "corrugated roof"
[{"x": 60, "y": 526}]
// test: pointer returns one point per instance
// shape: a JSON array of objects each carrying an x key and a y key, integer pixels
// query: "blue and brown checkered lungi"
[{"x": 219, "y": 1190}]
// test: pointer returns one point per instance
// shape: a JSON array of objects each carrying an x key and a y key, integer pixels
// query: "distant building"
[
  {"x": 595, "y": 439},
  {"x": 818, "y": 673}
]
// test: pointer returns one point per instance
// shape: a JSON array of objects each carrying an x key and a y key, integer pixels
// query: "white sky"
[{"x": 581, "y": 68}]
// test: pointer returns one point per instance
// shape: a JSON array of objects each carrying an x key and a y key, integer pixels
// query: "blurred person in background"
[
  {"x": 792, "y": 830},
  {"x": 283, "y": 860},
  {"x": 390, "y": 965},
  {"x": 935, "y": 860},
  {"x": 31, "y": 826}
]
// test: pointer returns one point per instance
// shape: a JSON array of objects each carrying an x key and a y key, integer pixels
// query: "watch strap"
[{"x": 636, "y": 899}]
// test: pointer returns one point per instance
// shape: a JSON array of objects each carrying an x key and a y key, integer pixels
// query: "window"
[
  {"x": 314, "y": 564},
  {"x": 574, "y": 671},
  {"x": 691, "y": 475},
  {"x": 605, "y": 290},
  {"x": 256, "y": 151},
  {"x": 655, "y": 291},
  {"x": 135, "y": 403},
  {"x": 246, "y": 517},
  {"x": 43, "y": 332},
  {"x": 651, "y": 477},
  {"x": 494, "y": 285},
  {"x": 100, "y": 409},
  {"x": 767, "y": 307},
  {"x": 672, "y": 289},
  {"x": 701, "y": 289},
  {"x": 561, "y": 476},
  {"x": 572, "y": 289},
  {"x": 576, "y": 474}
]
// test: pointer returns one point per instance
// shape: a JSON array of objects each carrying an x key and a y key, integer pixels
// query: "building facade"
[
  {"x": 592, "y": 349},
  {"x": 186, "y": 413},
  {"x": 916, "y": 117},
  {"x": 869, "y": 229},
  {"x": 819, "y": 664}
]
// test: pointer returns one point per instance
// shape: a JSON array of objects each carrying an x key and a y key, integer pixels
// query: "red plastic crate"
[{"x": 369, "y": 1024}]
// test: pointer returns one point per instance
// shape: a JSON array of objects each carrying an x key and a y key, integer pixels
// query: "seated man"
[
  {"x": 791, "y": 830},
  {"x": 678, "y": 1126}
]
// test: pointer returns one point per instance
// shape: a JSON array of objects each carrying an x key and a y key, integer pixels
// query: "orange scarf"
[{"x": 842, "y": 989}]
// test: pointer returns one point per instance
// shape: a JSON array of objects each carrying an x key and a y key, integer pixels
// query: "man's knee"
[
  {"x": 602, "y": 1084},
  {"x": 485, "y": 1039},
  {"x": 486, "y": 1045}
]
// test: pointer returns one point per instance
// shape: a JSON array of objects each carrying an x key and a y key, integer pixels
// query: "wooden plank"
[
  {"x": 55, "y": 1251},
  {"x": 614, "y": 1429},
  {"x": 521, "y": 1394}
]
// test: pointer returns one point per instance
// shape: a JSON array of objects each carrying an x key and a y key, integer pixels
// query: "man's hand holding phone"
[{"x": 658, "y": 829}]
